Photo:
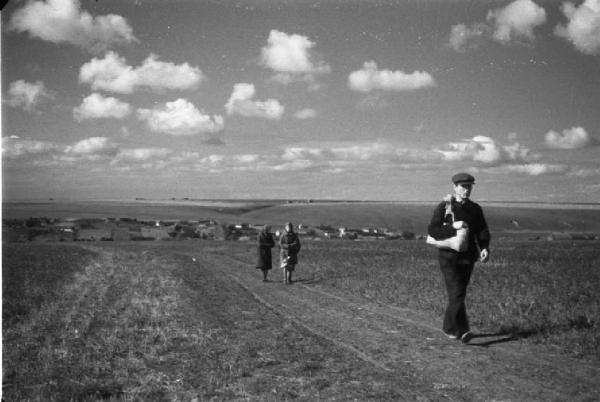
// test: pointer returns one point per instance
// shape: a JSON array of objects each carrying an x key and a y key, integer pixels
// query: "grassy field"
[
  {"x": 136, "y": 324},
  {"x": 545, "y": 292},
  {"x": 132, "y": 321}
]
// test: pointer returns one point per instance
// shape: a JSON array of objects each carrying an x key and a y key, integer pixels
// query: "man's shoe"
[
  {"x": 450, "y": 336},
  {"x": 466, "y": 337}
]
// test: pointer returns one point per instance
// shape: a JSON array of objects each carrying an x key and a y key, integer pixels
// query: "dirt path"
[{"x": 404, "y": 343}]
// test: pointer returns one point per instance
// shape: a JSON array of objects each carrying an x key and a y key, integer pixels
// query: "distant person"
[
  {"x": 289, "y": 244},
  {"x": 265, "y": 244},
  {"x": 457, "y": 266}
]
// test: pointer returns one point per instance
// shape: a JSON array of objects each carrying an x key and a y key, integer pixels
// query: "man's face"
[{"x": 463, "y": 190}]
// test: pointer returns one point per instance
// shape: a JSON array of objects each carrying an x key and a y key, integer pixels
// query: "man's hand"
[
  {"x": 459, "y": 225},
  {"x": 484, "y": 255}
]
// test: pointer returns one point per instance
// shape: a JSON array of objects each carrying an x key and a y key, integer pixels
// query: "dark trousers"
[{"x": 457, "y": 274}]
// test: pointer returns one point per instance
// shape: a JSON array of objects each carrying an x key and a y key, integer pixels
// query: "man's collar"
[{"x": 463, "y": 201}]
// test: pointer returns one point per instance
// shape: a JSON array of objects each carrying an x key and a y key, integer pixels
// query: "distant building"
[{"x": 66, "y": 226}]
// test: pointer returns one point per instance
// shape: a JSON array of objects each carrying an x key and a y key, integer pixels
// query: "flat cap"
[{"x": 463, "y": 178}]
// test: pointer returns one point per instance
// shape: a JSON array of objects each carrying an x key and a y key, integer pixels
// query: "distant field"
[
  {"x": 511, "y": 220},
  {"x": 122, "y": 209}
]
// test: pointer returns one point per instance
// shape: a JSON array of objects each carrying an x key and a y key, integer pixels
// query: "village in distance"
[
  {"x": 241, "y": 220},
  {"x": 51, "y": 229}
]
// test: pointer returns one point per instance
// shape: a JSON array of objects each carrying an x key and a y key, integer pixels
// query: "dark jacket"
[
  {"x": 440, "y": 226},
  {"x": 265, "y": 244},
  {"x": 290, "y": 246}
]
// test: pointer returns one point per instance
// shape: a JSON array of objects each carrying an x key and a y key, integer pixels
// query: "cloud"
[
  {"x": 585, "y": 172},
  {"x": 27, "y": 95},
  {"x": 301, "y": 152},
  {"x": 96, "y": 106},
  {"x": 292, "y": 59},
  {"x": 63, "y": 21},
  {"x": 14, "y": 147},
  {"x": 576, "y": 137},
  {"x": 113, "y": 74},
  {"x": 180, "y": 117},
  {"x": 248, "y": 158},
  {"x": 484, "y": 150},
  {"x": 369, "y": 78},
  {"x": 538, "y": 169},
  {"x": 240, "y": 102},
  {"x": 463, "y": 37},
  {"x": 340, "y": 156},
  {"x": 92, "y": 145},
  {"x": 142, "y": 154},
  {"x": 293, "y": 165},
  {"x": 516, "y": 21},
  {"x": 583, "y": 28},
  {"x": 291, "y": 54},
  {"x": 304, "y": 114}
]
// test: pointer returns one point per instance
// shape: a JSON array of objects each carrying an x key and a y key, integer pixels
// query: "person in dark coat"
[
  {"x": 265, "y": 244},
  {"x": 456, "y": 266},
  {"x": 289, "y": 244}
]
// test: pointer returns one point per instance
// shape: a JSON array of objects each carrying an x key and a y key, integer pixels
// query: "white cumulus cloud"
[
  {"x": 369, "y": 78},
  {"x": 63, "y": 21},
  {"x": 241, "y": 102},
  {"x": 576, "y": 137},
  {"x": 292, "y": 58},
  {"x": 96, "y": 106},
  {"x": 92, "y": 145},
  {"x": 484, "y": 150},
  {"x": 583, "y": 28},
  {"x": 291, "y": 54},
  {"x": 112, "y": 73},
  {"x": 180, "y": 117},
  {"x": 516, "y": 21},
  {"x": 27, "y": 95}
]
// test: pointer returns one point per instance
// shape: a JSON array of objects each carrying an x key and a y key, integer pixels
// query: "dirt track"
[{"x": 406, "y": 345}]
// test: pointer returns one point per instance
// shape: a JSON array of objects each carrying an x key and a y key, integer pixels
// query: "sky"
[{"x": 332, "y": 99}]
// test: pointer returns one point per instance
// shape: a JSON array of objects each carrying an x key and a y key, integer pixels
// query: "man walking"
[{"x": 457, "y": 266}]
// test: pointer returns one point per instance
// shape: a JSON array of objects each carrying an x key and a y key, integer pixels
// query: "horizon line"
[{"x": 279, "y": 200}]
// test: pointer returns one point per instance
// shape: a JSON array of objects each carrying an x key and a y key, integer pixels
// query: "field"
[{"x": 190, "y": 320}]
